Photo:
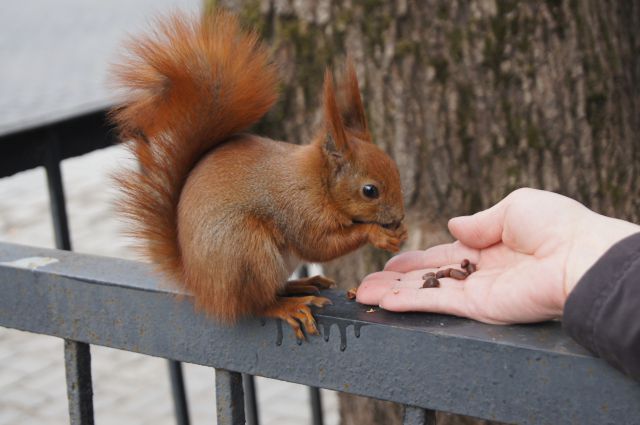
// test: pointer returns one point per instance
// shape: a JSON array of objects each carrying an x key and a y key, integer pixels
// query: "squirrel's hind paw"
[{"x": 296, "y": 312}]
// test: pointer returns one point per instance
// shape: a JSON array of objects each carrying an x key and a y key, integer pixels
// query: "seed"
[
  {"x": 431, "y": 282},
  {"x": 458, "y": 274},
  {"x": 428, "y": 275},
  {"x": 443, "y": 273},
  {"x": 468, "y": 266},
  {"x": 351, "y": 293}
]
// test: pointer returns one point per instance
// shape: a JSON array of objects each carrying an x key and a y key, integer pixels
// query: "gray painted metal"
[
  {"x": 316, "y": 406},
  {"x": 77, "y": 361},
  {"x": 77, "y": 355},
  {"x": 229, "y": 398},
  {"x": 179, "y": 393},
  {"x": 250, "y": 401},
  {"x": 56, "y": 193},
  {"x": 530, "y": 374},
  {"x": 314, "y": 392},
  {"x": 417, "y": 416}
]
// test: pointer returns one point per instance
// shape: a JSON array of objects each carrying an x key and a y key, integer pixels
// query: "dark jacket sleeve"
[{"x": 602, "y": 312}]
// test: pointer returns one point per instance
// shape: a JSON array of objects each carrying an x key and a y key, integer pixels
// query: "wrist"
[{"x": 594, "y": 236}]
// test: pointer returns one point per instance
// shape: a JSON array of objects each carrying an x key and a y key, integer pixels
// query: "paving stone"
[
  {"x": 55, "y": 411},
  {"x": 287, "y": 420},
  {"x": 8, "y": 377},
  {"x": 23, "y": 400},
  {"x": 12, "y": 416}
]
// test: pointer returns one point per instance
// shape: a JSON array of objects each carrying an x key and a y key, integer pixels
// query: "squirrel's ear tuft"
[
  {"x": 336, "y": 140},
  {"x": 350, "y": 105},
  {"x": 336, "y": 158}
]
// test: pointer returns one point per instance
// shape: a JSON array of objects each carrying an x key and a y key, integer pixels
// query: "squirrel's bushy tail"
[{"x": 189, "y": 85}]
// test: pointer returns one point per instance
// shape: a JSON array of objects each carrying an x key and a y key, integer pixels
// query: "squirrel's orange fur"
[{"x": 229, "y": 215}]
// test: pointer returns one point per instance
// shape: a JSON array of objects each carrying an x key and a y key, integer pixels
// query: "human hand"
[{"x": 530, "y": 249}]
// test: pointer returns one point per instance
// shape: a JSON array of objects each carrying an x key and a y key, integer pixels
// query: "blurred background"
[{"x": 472, "y": 99}]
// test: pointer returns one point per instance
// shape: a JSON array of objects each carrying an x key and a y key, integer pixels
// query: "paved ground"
[{"x": 129, "y": 388}]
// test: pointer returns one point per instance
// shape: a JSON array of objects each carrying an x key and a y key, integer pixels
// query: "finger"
[
  {"x": 481, "y": 229},
  {"x": 449, "y": 254},
  {"x": 374, "y": 285},
  {"x": 420, "y": 274},
  {"x": 383, "y": 275},
  {"x": 436, "y": 300},
  {"x": 371, "y": 291},
  {"x": 417, "y": 284},
  {"x": 405, "y": 262},
  {"x": 437, "y": 256}
]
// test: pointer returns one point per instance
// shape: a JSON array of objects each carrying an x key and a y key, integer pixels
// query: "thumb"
[{"x": 481, "y": 229}]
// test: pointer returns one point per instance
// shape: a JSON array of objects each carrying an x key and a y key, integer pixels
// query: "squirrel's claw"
[{"x": 296, "y": 312}]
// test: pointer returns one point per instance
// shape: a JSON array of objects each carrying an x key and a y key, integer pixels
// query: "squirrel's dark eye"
[{"x": 370, "y": 191}]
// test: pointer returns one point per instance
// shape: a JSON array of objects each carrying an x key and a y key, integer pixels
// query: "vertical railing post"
[
  {"x": 316, "y": 406},
  {"x": 314, "y": 392},
  {"x": 250, "y": 402},
  {"x": 77, "y": 362},
  {"x": 77, "y": 355},
  {"x": 229, "y": 398},
  {"x": 56, "y": 194},
  {"x": 179, "y": 392},
  {"x": 418, "y": 416}
]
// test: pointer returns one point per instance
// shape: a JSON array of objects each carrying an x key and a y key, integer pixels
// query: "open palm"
[{"x": 530, "y": 250}]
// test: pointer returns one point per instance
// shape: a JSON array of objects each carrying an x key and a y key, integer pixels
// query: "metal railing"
[
  {"x": 524, "y": 374},
  {"x": 46, "y": 143},
  {"x": 529, "y": 374}
]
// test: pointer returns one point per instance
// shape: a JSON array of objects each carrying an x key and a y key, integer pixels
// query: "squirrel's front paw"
[{"x": 388, "y": 239}]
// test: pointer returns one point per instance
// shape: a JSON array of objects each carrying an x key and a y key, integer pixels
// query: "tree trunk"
[{"x": 473, "y": 99}]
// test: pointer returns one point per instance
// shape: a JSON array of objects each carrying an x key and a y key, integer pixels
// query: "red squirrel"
[{"x": 230, "y": 215}]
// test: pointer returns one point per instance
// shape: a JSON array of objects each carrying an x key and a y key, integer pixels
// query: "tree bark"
[{"x": 472, "y": 99}]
